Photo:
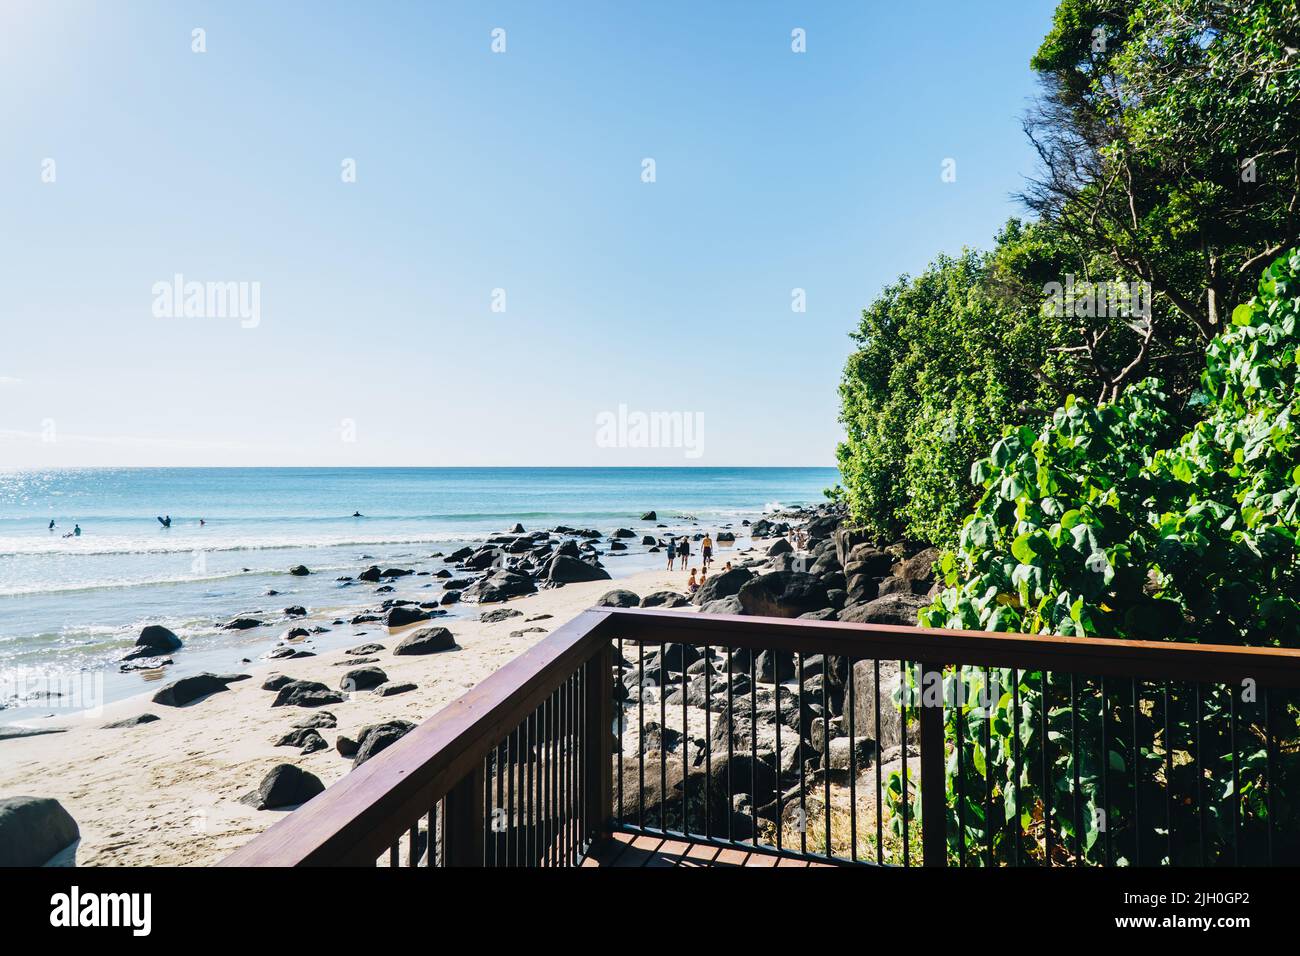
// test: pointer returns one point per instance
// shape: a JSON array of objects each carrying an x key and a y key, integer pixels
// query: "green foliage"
[
  {"x": 941, "y": 362},
  {"x": 1106, "y": 523},
  {"x": 1170, "y": 136},
  {"x": 1101, "y": 524}
]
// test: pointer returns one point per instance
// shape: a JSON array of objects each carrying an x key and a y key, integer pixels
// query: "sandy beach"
[{"x": 167, "y": 792}]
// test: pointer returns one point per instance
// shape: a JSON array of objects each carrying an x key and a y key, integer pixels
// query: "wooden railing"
[{"x": 572, "y": 741}]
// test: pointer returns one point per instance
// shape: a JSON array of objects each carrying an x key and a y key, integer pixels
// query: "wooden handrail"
[
  {"x": 356, "y": 818},
  {"x": 1091, "y": 656}
]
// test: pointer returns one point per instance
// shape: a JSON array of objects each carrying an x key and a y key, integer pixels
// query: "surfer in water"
[
  {"x": 51, "y": 524},
  {"x": 357, "y": 514},
  {"x": 165, "y": 522}
]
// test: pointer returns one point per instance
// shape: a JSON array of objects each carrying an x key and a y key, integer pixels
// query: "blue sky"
[{"x": 376, "y": 341}]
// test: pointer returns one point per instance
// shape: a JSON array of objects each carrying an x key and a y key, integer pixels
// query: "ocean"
[{"x": 70, "y": 606}]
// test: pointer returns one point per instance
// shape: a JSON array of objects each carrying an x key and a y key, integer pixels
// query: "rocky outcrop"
[
  {"x": 154, "y": 641},
  {"x": 783, "y": 594},
  {"x": 429, "y": 640},
  {"x": 135, "y": 721},
  {"x": 665, "y": 599},
  {"x": 305, "y": 693},
  {"x": 619, "y": 597},
  {"x": 898, "y": 609},
  {"x": 563, "y": 569},
  {"x": 501, "y": 586},
  {"x": 405, "y": 616},
  {"x": 285, "y": 786},
  {"x": 34, "y": 830},
  {"x": 189, "y": 689},
  {"x": 362, "y": 678},
  {"x": 723, "y": 585}
]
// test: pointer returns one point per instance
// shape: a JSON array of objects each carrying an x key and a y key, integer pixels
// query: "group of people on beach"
[{"x": 680, "y": 548}]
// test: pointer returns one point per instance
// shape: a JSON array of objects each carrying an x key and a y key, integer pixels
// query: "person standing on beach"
[
  {"x": 685, "y": 551},
  {"x": 706, "y": 549},
  {"x": 672, "y": 552}
]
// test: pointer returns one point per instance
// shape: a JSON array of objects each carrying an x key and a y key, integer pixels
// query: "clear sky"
[{"x": 375, "y": 340}]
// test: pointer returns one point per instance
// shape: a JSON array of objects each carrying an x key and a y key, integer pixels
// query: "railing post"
[
  {"x": 934, "y": 800},
  {"x": 462, "y": 822},
  {"x": 598, "y": 743}
]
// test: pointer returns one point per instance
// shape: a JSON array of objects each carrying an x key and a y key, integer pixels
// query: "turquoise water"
[{"x": 72, "y": 604}]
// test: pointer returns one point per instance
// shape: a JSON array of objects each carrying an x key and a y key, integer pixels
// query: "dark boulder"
[
  {"x": 665, "y": 599},
  {"x": 285, "y": 786},
  {"x": 563, "y": 569},
  {"x": 363, "y": 678},
  {"x": 404, "y": 616},
  {"x": 240, "y": 624},
  {"x": 188, "y": 689},
  {"x": 649, "y": 516},
  {"x": 450, "y": 597},
  {"x": 427, "y": 640},
  {"x": 365, "y": 649},
  {"x": 370, "y": 574},
  {"x": 623, "y": 533},
  {"x": 779, "y": 546},
  {"x": 135, "y": 721},
  {"x": 783, "y": 594},
  {"x": 276, "y": 681},
  {"x": 299, "y": 571},
  {"x": 726, "y": 605},
  {"x": 722, "y": 585},
  {"x": 389, "y": 689},
  {"x": 154, "y": 640},
  {"x": 306, "y": 738},
  {"x": 498, "y": 615},
  {"x": 34, "y": 830},
  {"x": 376, "y": 738},
  {"x": 619, "y": 597},
  {"x": 891, "y": 609},
  {"x": 305, "y": 693},
  {"x": 317, "y": 720},
  {"x": 501, "y": 586}
]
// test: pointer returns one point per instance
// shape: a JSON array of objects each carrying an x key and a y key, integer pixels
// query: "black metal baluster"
[
  {"x": 1200, "y": 780},
  {"x": 826, "y": 750},
  {"x": 753, "y": 745},
  {"x": 1169, "y": 784},
  {"x": 663, "y": 738},
  {"x": 1268, "y": 769},
  {"x": 1105, "y": 773},
  {"x": 1047, "y": 771},
  {"x": 987, "y": 728},
  {"x": 730, "y": 727},
  {"x": 776, "y": 693},
  {"x": 1076, "y": 755},
  {"x": 640, "y": 735},
  {"x": 1236, "y": 775},
  {"x": 903, "y": 698},
  {"x": 853, "y": 761},
  {"x": 708, "y": 736},
  {"x": 959, "y": 739},
  {"x": 880, "y": 828},
  {"x": 1137, "y": 792},
  {"x": 1016, "y": 760},
  {"x": 622, "y": 729},
  {"x": 803, "y": 802},
  {"x": 686, "y": 745}
]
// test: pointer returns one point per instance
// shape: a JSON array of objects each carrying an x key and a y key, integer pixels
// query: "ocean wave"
[{"x": 89, "y": 546}]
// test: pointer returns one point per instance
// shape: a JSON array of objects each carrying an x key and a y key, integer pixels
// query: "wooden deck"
[{"x": 627, "y": 849}]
